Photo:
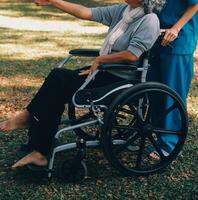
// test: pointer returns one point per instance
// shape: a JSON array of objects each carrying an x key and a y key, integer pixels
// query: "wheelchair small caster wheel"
[{"x": 73, "y": 171}]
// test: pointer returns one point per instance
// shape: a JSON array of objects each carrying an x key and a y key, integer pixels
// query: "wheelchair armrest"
[
  {"x": 117, "y": 66},
  {"x": 85, "y": 52}
]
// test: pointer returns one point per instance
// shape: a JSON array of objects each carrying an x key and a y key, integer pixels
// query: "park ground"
[{"x": 33, "y": 40}]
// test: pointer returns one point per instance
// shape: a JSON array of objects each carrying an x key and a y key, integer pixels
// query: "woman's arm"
[
  {"x": 123, "y": 56},
  {"x": 172, "y": 33},
  {"x": 76, "y": 10}
]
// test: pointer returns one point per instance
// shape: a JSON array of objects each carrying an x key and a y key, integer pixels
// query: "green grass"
[{"x": 26, "y": 57}]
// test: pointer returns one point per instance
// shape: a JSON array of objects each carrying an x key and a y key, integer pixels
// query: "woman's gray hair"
[{"x": 153, "y": 5}]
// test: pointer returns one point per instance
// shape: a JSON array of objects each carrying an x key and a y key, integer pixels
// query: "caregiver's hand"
[
  {"x": 43, "y": 2},
  {"x": 170, "y": 35}
]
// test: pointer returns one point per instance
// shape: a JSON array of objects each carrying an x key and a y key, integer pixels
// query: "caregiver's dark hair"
[{"x": 153, "y": 5}]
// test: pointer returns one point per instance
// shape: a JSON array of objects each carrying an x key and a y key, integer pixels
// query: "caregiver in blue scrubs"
[{"x": 172, "y": 63}]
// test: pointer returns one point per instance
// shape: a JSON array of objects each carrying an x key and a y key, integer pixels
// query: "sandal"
[{"x": 154, "y": 154}]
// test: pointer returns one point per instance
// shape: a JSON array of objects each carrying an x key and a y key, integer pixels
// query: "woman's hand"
[
  {"x": 170, "y": 35},
  {"x": 93, "y": 67},
  {"x": 43, "y": 2}
]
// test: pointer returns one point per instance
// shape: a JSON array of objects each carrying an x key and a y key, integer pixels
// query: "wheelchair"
[{"x": 121, "y": 120}]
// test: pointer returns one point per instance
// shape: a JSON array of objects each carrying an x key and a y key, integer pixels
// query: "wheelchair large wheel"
[
  {"x": 132, "y": 127},
  {"x": 79, "y": 115}
]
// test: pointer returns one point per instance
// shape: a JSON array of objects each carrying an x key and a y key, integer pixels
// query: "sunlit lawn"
[{"x": 26, "y": 57}]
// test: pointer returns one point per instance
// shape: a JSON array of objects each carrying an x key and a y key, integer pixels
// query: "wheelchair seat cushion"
[{"x": 101, "y": 95}]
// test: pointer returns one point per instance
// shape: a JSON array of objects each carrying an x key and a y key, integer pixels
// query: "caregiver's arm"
[
  {"x": 76, "y": 10},
  {"x": 172, "y": 33}
]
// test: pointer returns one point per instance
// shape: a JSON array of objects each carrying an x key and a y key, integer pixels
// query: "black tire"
[
  {"x": 141, "y": 129},
  {"x": 73, "y": 171},
  {"x": 79, "y": 115}
]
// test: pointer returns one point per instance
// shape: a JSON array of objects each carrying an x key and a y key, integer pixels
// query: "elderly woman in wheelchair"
[{"x": 112, "y": 89}]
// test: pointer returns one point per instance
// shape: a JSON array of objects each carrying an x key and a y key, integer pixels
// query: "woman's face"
[{"x": 134, "y": 3}]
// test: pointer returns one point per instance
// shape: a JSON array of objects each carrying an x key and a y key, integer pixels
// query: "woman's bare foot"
[
  {"x": 21, "y": 120},
  {"x": 35, "y": 158}
]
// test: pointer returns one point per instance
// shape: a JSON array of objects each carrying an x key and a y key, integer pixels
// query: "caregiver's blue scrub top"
[{"x": 187, "y": 38}]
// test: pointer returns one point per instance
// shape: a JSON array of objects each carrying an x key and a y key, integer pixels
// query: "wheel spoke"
[
  {"x": 123, "y": 134},
  {"x": 140, "y": 152},
  {"x": 125, "y": 131},
  {"x": 164, "y": 114},
  {"x": 156, "y": 146},
  {"x": 143, "y": 106},
  {"x": 128, "y": 142},
  {"x": 168, "y": 132},
  {"x": 147, "y": 115},
  {"x": 123, "y": 127},
  {"x": 132, "y": 122},
  {"x": 135, "y": 113}
]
